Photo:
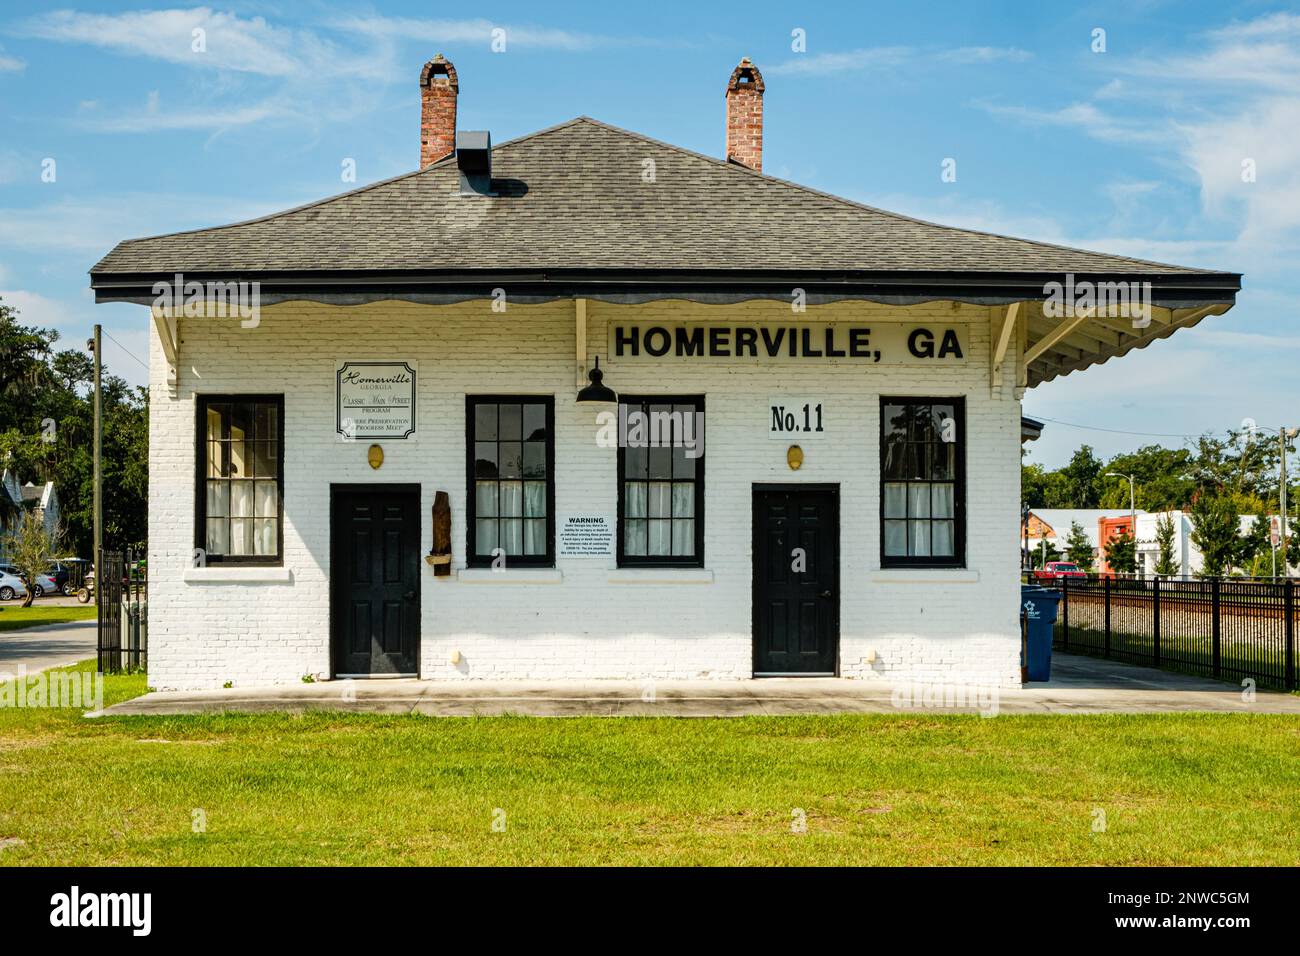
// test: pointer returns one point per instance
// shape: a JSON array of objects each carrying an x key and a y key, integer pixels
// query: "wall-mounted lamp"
[{"x": 596, "y": 391}]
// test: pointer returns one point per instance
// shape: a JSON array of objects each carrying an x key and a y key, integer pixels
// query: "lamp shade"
[{"x": 597, "y": 391}]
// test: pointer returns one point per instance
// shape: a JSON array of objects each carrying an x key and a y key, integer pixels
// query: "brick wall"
[{"x": 593, "y": 621}]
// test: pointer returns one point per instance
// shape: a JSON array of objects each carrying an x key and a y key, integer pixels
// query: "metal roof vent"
[{"x": 474, "y": 160}]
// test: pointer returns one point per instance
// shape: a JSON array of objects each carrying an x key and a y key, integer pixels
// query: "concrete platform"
[{"x": 1079, "y": 685}]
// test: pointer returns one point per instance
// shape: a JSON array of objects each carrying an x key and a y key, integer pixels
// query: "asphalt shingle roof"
[{"x": 574, "y": 197}]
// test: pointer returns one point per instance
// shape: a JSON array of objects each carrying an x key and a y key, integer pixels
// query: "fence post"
[
  {"x": 1155, "y": 620},
  {"x": 1065, "y": 614},
  {"x": 1288, "y": 593},
  {"x": 99, "y": 616},
  {"x": 1105, "y": 587},
  {"x": 1214, "y": 625}
]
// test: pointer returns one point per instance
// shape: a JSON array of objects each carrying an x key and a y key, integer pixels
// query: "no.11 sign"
[{"x": 800, "y": 418}]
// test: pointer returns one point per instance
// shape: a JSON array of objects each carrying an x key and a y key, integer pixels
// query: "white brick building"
[{"x": 463, "y": 305}]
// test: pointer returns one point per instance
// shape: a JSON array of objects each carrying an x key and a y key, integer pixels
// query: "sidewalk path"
[
  {"x": 1080, "y": 685},
  {"x": 49, "y": 645}
]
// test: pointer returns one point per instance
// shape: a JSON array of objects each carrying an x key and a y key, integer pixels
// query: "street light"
[{"x": 1132, "y": 513}]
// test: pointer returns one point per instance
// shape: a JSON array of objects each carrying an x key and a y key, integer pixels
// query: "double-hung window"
[
  {"x": 511, "y": 452},
  {"x": 922, "y": 493},
  {"x": 239, "y": 500},
  {"x": 661, "y": 482}
]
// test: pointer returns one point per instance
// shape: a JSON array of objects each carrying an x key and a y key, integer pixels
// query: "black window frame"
[
  {"x": 958, "y": 558},
  {"x": 472, "y": 559},
  {"x": 201, "y": 479},
  {"x": 695, "y": 560}
]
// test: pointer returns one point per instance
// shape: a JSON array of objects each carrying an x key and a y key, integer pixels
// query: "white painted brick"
[{"x": 202, "y": 635}]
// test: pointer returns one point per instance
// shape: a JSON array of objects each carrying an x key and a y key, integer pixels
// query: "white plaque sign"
[
  {"x": 585, "y": 536},
  {"x": 375, "y": 400}
]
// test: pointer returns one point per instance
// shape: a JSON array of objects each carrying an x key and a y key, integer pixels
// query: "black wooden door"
[
  {"x": 796, "y": 580},
  {"x": 375, "y": 580}
]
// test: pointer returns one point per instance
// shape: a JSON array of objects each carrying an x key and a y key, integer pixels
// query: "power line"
[
  {"x": 125, "y": 349},
  {"x": 1117, "y": 431}
]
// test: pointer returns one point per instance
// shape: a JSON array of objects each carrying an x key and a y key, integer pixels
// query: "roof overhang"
[{"x": 1051, "y": 346}]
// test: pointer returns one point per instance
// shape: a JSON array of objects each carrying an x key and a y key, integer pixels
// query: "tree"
[
  {"x": 1121, "y": 553},
  {"x": 1215, "y": 532},
  {"x": 1079, "y": 546},
  {"x": 1046, "y": 551},
  {"x": 1082, "y": 478},
  {"x": 1162, "y": 479},
  {"x": 1166, "y": 562},
  {"x": 46, "y": 425},
  {"x": 1254, "y": 544},
  {"x": 31, "y": 549},
  {"x": 1040, "y": 488}
]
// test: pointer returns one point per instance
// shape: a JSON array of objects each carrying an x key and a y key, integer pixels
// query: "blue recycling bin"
[{"x": 1038, "y": 607}]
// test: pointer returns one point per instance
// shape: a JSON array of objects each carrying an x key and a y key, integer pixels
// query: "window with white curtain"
[
  {"x": 239, "y": 518},
  {"x": 511, "y": 449}
]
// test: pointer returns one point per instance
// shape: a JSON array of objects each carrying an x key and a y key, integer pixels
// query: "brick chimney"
[
  {"x": 745, "y": 116},
  {"x": 438, "y": 89}
]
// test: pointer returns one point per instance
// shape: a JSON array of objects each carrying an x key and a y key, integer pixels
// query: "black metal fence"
[
  {"x": 123, "y": 598},
  {"x": 1226, "y": 629}
]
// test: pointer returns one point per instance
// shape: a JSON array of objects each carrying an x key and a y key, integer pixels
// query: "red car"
[{"x": 1055, "y": 570}]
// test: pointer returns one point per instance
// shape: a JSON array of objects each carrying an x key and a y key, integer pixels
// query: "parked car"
[
  {"x": 87, "y": 589},
  {"x": 44, "y": 582},
  {"x": 70, "y": 572},
  {"x": 1055, "y": 570},
  {"x": 11, "y": 586},
  {"x": 59, "y": 574}
]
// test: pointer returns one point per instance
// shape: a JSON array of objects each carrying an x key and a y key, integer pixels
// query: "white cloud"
[
  {"x": 227, "y": 41},
  {"x": 1271, "y": 25},
  {"x": 1229, "y": 107},
  {"x": 984, "y": 54},
  {"x": 475, "y": 31},
  {"x": 152, "y": 118},
  {"x": 126, "y": 336},
  {"x": 87, "y": 229},
  {"x": 11, "y": 167},
  {"x": 1111, "y": 90},
  {"x": 1251, "y": 341},
  {"x": 890, "y": 57},
  {"x": 41, "y": 311},
  {"x": 11, "y": 64},
  {"x": 293, "y": 71},
  {"x": 1087, "y": 118},
  {"x": 293, "y": 74},
  {"x": 1129, "y": 190}
]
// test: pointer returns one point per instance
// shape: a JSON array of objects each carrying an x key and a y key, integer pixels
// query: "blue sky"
[{"x": 1135, "y": 150}]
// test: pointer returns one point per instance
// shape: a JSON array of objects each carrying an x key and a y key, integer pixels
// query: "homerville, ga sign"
[{"x": 886, "y": 343}]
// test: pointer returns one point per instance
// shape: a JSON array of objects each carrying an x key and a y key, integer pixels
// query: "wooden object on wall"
[{"x": 440, "y": 556}]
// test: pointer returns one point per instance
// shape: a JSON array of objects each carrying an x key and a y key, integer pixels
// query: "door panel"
[
  {"x": 796, "y": 595},
  {"x": 375, "y": 580}
]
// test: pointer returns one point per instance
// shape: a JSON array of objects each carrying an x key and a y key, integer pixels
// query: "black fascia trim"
[{"x": 1167, "y": 288}]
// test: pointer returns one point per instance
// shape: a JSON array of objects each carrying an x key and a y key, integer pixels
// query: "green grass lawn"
[
  {"x": 876, "y": 789},
  {"x": 13, "y": 617}
]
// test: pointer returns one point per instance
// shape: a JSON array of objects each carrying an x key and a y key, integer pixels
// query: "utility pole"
[
  {"x": 96, "y": 347},
  {"x": 1024, "y": 522}
]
